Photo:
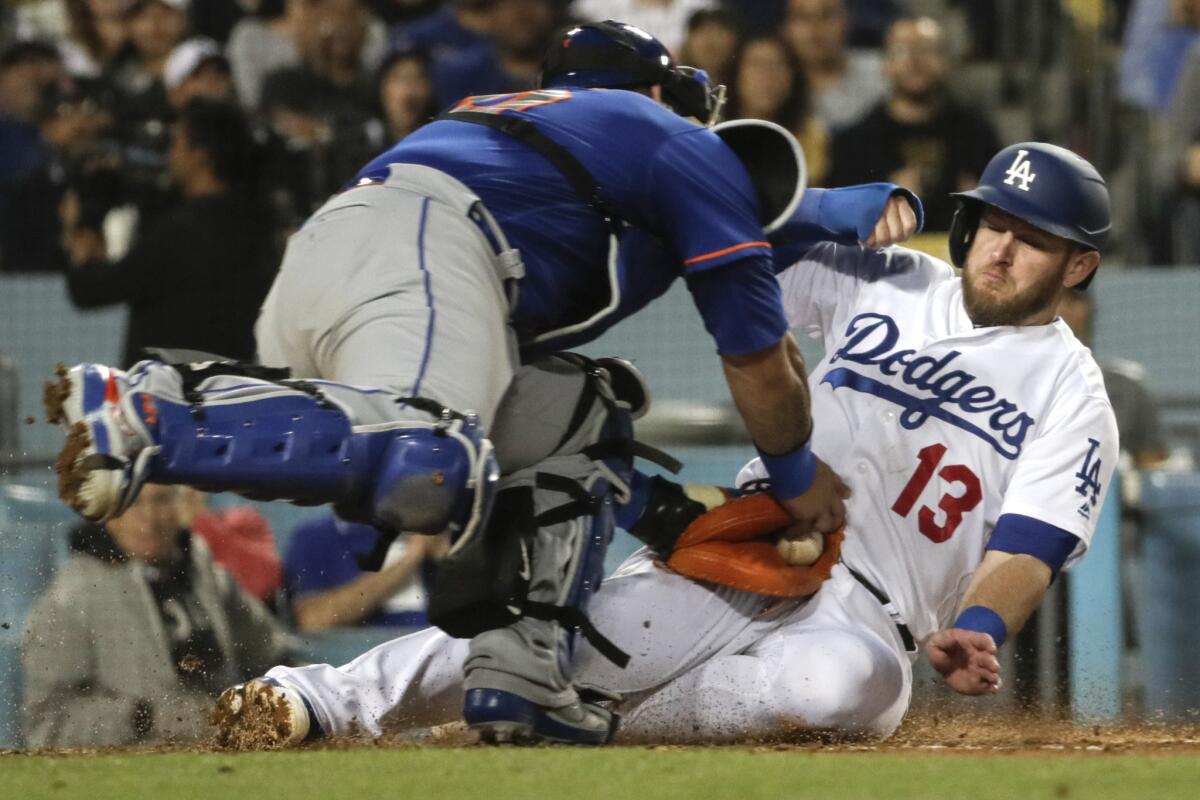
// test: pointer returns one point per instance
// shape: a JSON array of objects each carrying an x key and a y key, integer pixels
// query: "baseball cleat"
[
  {"x": 501, "y": 717},
  {"x": 102, "y": 465},
  {"x": 260, "y": 714}
]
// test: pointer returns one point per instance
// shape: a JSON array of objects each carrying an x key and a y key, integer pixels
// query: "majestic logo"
[
  {"x": 871, "y": 341},
  {"x": 1019, "y": 171}
]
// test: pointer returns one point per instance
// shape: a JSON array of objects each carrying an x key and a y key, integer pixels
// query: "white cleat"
[
  {"x": 260, "y": 715},
  {"x": 103, "y": 462}
]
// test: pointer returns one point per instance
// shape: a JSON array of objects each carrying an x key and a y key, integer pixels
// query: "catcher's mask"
[
  {"x": 614, "y": 55},
  {"x": 775, "y": 162}
]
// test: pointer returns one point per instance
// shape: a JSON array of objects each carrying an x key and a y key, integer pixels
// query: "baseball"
[{"x": 801, "y": 550}]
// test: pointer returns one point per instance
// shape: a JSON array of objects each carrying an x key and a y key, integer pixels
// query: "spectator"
[
  {"x": 196, "y": 276},
  {"x": 666, "y": 20},
  {"x": 521, "y": 30},
  {"x": 405, "y": 95},
  {"x": 1138, "y": 418},
  {"x": 137, "y": 633},
  {"x": 328, "y": 588},
  {"x": 919, "y": 136},
  {"x": 267, "y": 42},
  {"x": 1158, "y": 36},
  {"x": 845, "y": 83},
  {"x": 197, "y": 69},
  {"x": 322, "y": 107},
  {"x": 156, "y": 27},
  {"x": 711, "y": 43},
  {"x": 1178, "y": 165},
  {"x": 261, "y": 45},
  {"x": 241, "y": 541},
  {"x": 36, "y": 133},
  {"x": 769, "y": 84},
  {"x": 454, "y": 28},
  {"x": 29, "y": 74},
  {"x": 97, "y": 33}
]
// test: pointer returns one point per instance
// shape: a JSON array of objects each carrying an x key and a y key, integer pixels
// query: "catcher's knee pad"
[{"x": 554, "y": 518}]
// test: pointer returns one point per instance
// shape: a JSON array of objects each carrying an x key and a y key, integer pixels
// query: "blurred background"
[{"x": 156, "y": 154}]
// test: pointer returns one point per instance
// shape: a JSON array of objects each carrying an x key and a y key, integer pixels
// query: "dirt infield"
[{"x": 999, "y": 732}]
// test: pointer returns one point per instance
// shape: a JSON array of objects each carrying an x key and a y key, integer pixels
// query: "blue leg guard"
[
  {"x": 289, "y": 440},
  {"x": 406, "y": 476}
]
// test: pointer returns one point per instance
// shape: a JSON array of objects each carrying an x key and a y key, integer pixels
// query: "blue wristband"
[
  {"x": 791, "y": 473},
  {"x": 984, "y": 620}
]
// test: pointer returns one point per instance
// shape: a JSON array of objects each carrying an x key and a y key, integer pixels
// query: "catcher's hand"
[
  {"x": 735, "y": 545},
  {"x": 966, "y": 659}
]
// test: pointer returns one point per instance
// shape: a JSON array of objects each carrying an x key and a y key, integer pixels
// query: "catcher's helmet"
[
  {"x": 612, "y": 55},
  {"x": 1047, "y": 186}
]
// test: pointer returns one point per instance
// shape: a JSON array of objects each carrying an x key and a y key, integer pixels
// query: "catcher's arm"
[{"x": 769, "y": 390}]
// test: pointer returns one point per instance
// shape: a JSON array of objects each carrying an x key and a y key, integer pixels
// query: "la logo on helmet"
[{"x": 1019, "y": 171}]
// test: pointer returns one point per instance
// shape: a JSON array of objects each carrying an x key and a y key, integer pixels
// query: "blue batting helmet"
[
  {"x": 1044, "y": 185},
  {"x": 612, "y": 55}
]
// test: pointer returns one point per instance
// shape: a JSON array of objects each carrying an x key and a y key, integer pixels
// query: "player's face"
[{"x": 1014, "y": 272}]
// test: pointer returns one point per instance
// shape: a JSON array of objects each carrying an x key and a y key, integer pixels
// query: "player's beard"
[{"x": 986, "y": 311}]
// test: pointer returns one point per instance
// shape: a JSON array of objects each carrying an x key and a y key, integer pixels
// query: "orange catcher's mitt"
[{"x": 735, "y": 545}]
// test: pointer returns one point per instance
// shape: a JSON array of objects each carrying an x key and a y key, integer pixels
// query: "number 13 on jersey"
[{"x": 952, "y": 505}]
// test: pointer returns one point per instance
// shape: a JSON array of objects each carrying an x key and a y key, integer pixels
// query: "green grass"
[{"x": 610, "y": 774}]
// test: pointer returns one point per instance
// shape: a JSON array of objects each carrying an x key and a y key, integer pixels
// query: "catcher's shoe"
[
  {"x": 261, "y": 714},
  {"x": 501, "y": 717},
  {"x": 103, "y": 463}
]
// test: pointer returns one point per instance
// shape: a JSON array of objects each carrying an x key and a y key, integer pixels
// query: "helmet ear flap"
[{"x": 962, "y": 230}]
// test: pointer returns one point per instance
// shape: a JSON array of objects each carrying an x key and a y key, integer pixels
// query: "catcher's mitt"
[{"x": 734, "y": 545}]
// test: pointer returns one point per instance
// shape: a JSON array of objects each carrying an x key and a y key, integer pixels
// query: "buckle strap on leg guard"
[
  {"x": 630, "y": 448},
  {"x": 431, "y": 407},
  {"x": 578, "y": 622},
  {"x": 582, "y": 502}
]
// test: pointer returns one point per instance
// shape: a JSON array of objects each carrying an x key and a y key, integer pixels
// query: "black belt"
[{"x": 910, "y": 644}]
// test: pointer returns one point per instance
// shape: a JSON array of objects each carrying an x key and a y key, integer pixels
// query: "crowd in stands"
[
  {"x": 160, "y": 152},
  {"x": 91, "y": 92},
  {"x": 105, "y": 160}
]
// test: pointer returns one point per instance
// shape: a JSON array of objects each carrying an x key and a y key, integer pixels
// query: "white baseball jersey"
[{"x": 940, "y": 427}]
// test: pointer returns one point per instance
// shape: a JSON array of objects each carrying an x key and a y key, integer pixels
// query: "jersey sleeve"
[
  {"x": 1063, "y": 476},
  {"x": 830, "y": 276},
  {"x": 705, "y": 201},
  {"x": 740, "y": 306}
]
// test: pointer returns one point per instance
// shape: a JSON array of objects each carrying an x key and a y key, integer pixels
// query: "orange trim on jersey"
[
  {"x": 517, "y": 101},
  {"x": 726, "y": 251}
]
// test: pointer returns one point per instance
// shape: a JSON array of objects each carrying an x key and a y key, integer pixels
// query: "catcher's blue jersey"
[{"x": 688, "y": 202}]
